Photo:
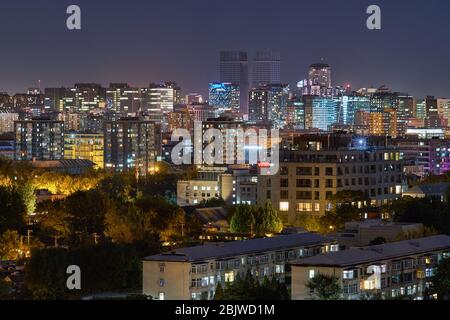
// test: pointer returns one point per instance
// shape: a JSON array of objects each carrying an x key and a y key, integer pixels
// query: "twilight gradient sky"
[{"x": 142, "y": 41}]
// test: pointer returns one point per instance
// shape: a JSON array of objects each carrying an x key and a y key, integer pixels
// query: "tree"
[
  {"x": 325, "y": 287},
  {"x": 441, "y": 280},
  {"x": 267, "y": 221},
  {"x": 105, "y": 267},
  {"x": 53, "y": 219},
  {"x": 12, "y": 209},
  {"x": 10, "y": 245},
  {"x": 26, "y": 191},
  {"x": 218, "y": 295},
  {"x": 242, "y": 219},
  {"x": 87, "y": 211}
]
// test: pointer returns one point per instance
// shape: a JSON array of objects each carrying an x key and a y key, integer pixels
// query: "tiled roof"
[
  {"x": 236, "y": 248},
  {"x": 378, "y": 252}
]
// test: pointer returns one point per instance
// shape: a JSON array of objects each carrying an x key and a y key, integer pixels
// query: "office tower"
[
  {"x": 258, "y": 104},
  {"x": 122, "y": 100},
  {"x": 89, "y": 96},
  {"x": 383, "y": 99},
  {"x": 295, "y": 114},
  {"x": 224, "y": 96},
  {"x": 86, "y": 146},
  {"x": 53, "y": 99},
  {"x": 7, "y": 121},
  {"x": 405, "y": 112},
  {"x": 420, "y": 109},
  {"x": 40, "y": 139},
  {"x": 162, "y": 97},
  {"x": 268, "y": 103},
  {"x": 193, "y": 98},
  {"x": 320, "y": 112},
  {"x": 431, "y": 106},
  {"x": 350, "y": 104},
  {"x": 383, "y": 123},
  {"x": 266, "y": 68},
  {"x": 132, "y": 144},
  {"x": 319, "y": 74},
  {"x": 203, "y": 111},
  {"x": 181, "y": 119},
  {"x": 443, "y": 108},
  {"x": 234, "y": 69}
]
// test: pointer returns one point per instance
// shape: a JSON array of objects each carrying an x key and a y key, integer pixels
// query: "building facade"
[
  {"x": 39, "y": 139},
  {"x": 193, "y": 273},
  {"x": 86, "y": 146},
  {"x": 307, "y": 180},
  {"x": 388, "y": 271},
  {"x": 132, "y": 144}
]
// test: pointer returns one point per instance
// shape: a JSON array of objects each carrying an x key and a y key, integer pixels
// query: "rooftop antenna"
[{"x": 39, "y": 85}]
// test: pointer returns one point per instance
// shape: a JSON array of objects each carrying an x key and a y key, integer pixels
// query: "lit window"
[
  {"x": 229, "y": 277},
  {"x": 284, "y": 206},
  {"x": 312, "y": 274},
  {"x": 161, "y": 296}
]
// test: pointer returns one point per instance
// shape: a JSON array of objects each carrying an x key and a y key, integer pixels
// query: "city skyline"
[{"x": 59, "y": 57}]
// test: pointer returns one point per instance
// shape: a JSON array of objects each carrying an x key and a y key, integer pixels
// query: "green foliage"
[
  {"x": 441, "y": 280},
  {"x": 267, "y": 221},
  {"x": 250, "y": 288},
  {"x": 325, "y": 287},
  {"x": 104, "y": 267},
  {"x": 260, "y": 221},
  {"x": 26, "y": 191},
  {"x": 12, "y": 209},
  {"x": 242, "y": 219},
  {"x": 432, "y": 213},
  {"x": 86, "y": 212},
  {"x": 9, "y": 245}
]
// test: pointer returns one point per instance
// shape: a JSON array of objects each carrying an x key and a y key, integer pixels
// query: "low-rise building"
[
  {"x": 435, "y": 190},
  {"x": 362, "y": 233},
  {"x": 388, "y": 271},
  {"x": 193, "y": 273}
]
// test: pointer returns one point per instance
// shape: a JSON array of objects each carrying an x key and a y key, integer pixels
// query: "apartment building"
[
  {"x": 234, "y": 186},
  {"x": 388, "y": 271},
  {"x": 307, "y": 179},
  {"x": 193, "y": 273}
]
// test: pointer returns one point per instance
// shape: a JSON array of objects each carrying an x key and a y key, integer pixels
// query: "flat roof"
[
  {"x": 376, "y": 253},
  {"x": 236, "y": 248}
]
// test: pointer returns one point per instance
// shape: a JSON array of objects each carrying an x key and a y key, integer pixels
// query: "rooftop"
[
  {"x": 236, "y": 248},
  {"x": 386, "y": 251},
  {"x": 429, "y": 189}
]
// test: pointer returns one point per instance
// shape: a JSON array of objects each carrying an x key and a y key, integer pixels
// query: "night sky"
[{"x": 142, "y": 41}]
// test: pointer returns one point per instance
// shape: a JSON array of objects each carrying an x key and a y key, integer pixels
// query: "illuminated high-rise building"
[
  {"x": 224, "y": 96},
  {"x": 161, "y": 98},
  {"x": 266, "y": 68},
  {"x": 319, "y": 74},
  {"x": 40, "y": 139},
  {"x": 320, "y": 112},
  {"x": 132, "y": 144},
  {"x": 89, "y": 96},
  {"x": 420, "y": 109},
  {"x": 234, "y": 69}
]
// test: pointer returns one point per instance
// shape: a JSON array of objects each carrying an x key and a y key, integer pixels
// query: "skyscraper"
[
  {"x": 224, "y": 96},
  {"x": 234, "y": 69},
  {"x": 319, "y": 74},
  {"x": 266, "y": 68}
]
